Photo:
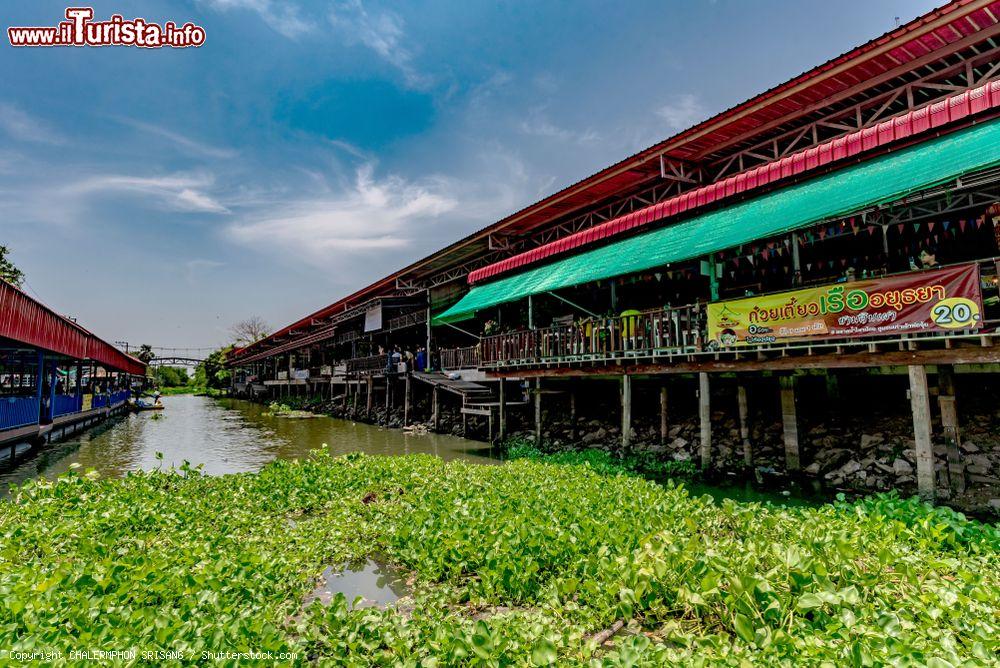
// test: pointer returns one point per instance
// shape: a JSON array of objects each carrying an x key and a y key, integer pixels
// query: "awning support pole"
[{"x": 573, "y": 304}]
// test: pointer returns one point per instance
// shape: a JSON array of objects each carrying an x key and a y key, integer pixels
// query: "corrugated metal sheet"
[
  {"x": 884, "y": 179},
  {"x": 26, "y": 321},
  {"x": 905, "y": 126}
]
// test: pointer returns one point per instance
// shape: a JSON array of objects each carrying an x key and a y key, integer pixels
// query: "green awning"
[{"x": 877, "y": 181}]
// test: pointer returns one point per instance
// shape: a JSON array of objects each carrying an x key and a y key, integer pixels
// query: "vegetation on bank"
[{"x": 517, "y": 564}]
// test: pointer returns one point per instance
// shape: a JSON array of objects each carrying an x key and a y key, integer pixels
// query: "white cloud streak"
[
  {"x": 682, "y": 112},
  {"x": 382, "y": 32},
  {"x": 283, "y": 17},
  {"x": 24, "y": 127},
  {"x": 178, "y": 192},
  {"x": 370, "y": 215}
]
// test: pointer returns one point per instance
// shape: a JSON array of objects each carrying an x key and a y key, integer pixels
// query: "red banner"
[{"x": 934, "y": 300}]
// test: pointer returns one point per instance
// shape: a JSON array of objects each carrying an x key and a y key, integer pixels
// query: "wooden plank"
[
  {"x": 950, "y": 427},
  {"x": 921, "y": 406},
  {"x": 789, "y": 422},
  {"x": 664, "y": 427},
  {"x": 705, "y": 416},
  {"x": 626, "y": 396},
  {"x": 741, "y": 400}
]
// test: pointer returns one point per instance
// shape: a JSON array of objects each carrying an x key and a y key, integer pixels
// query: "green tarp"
[{"x": 880, "y": 180}]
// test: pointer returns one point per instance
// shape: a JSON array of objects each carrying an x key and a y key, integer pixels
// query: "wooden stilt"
[
  {"x": 502, "y": 411},
  {"x": 789, "y": 421},
  {"x": 538, "y": 411},
  {"x": 705, "y": 415},
  {"x": 949, "y": 424},
  {"x": 435, "y": 409},
  {"x": 741, "y": 399},
  {"x": 369, "y": 391},
  {"x": 388, "y": 396},
  {"x": 664, "y": 426},
  {"x": 626, "y": 413},
  {"x": 921, "y": 406},
  {"x": 406, "y": 401}
]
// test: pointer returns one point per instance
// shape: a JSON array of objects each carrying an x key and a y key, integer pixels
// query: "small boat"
[{"x": 138, "y": 406}]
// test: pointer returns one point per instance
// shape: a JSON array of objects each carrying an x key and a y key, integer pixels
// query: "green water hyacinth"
[{"x": 528, "y": 563}]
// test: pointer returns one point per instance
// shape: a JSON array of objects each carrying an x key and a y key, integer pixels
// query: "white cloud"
[
  {"x": 370, "y": 215},
  {"x": 383, "y": 33},
  {"x": 178, "y": 192},
  {"x": 23, "y": 127},
  {"x": 283, "y": 17},
  {"x": 182, "y": 142},
  {"x": 682, "y": 112},
  {"x": 537, "y": 124}
]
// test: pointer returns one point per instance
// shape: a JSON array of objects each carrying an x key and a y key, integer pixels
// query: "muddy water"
[
  {"x": 225, "y": 436},
  {"x": 228, "y": 436}
]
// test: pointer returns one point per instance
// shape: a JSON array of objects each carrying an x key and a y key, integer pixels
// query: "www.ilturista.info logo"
[{"x": 81, "y": 30}]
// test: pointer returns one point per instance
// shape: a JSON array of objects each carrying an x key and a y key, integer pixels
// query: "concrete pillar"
[
  {"x": 741, "y": 400},
  {"x": 369, "y": 391},
  {"x": 789, "y": 421},
  {"x": 705, "y": 415},
  {"x": 502, "y": 410},
  {"x": 949, "y": 424},
  {"x": 921, "y": 406},
  {"x": 538, "y": 411},
  {"x": 626, "y": 413},
  {"x": 406, "y": 401},
  {"x": 664, "y": 426},
  {"x": 435, "y": 409}
]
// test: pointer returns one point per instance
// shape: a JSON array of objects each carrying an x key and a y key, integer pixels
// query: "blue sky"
[{"x": 312, "y": 146}]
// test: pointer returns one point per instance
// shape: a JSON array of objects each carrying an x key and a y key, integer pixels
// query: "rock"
[
  {"x": 994, "y": 504},
  {"x": 682, "y": 456},
  {"x": 969, "y": 446},
  {"x": 901, "y": 467},
  {"x": 910, "y": 454},
  {"x": 812, "y": 469},
  {"x": 678, "y": 443},
  {"x": 868, "y": 440}
]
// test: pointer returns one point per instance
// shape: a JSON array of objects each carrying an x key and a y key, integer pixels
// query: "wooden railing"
[
  {"x": 677, "y": 329},
  {"x": 460, "y": 358},
  {"x": 368, "y": 365}
]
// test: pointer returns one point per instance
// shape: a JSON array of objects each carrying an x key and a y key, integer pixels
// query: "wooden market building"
[{"x": 879, "y": 169}]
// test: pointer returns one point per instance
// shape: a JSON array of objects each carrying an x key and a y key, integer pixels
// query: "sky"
[{"x": 310, "y": 147}]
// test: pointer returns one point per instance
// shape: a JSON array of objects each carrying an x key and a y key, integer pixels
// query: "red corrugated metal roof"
[
  {"x": 26, "y": 321},
  {"x": 906, "y": 126},
  {"x": 893, "y": 53}
]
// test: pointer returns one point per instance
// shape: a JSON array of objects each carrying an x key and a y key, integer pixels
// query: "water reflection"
[
  {"x": 225, "y": 436},
  {"x": 378, "y": 584}
]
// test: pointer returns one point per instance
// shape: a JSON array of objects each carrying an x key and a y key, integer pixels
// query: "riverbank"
[
  {"x": 529, "y": 562},
  {"x": 856, "y": 456}
]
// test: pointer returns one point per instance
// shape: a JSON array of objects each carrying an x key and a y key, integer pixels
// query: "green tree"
[
  {"x": 212, "y": 372},
  {"x": 8, "y": 271},
  {"x": 172, "y": 376},
  {"x": 145, "y": 353}
]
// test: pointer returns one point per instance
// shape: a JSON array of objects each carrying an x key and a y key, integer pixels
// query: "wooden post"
[
  {"x": 626, "y": 413},
  {"x": 388, "y": 395},
  {"x": 789, "y": 421},
  {"x": 949, "y": 424},
  {"x": 538, "y": 412},
  {"x": 435, "y": 409},
  {"x": 664, "y": 426},
  {"x": 502, "y": 408},
  {"x": 406, "y": 401},
  {"x": 369, "y": 390},
  {"x": 921, "y": 406},
  {"x": 705, "y": 414},
  {"x": 741, "y": 399},
  {"x": 833, "y": 397}
]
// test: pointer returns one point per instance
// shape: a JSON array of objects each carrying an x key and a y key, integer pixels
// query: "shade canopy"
[{"x": 883, "y": 179}]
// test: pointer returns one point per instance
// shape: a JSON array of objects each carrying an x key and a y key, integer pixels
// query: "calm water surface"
[
  {"x": 226, "y": 436},
  {"x": 229, "y": 436}
]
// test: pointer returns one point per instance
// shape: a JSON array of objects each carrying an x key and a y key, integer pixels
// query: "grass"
[{"x": 518, "y": 564}]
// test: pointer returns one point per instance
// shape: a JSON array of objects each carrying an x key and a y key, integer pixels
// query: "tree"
[
  {"x": 249, "y": 330},
  {"x": 172, "y": 376},
  {"x": 8, "y": 271},
  {"x": 145, "y": 353},
  {"x": 212, "y": 371}
]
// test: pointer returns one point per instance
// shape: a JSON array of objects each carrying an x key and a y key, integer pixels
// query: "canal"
[{"x": 231, "y": 436}]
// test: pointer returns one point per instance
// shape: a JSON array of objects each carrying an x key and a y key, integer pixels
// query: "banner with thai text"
[{"x": 934, "y": 300}]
